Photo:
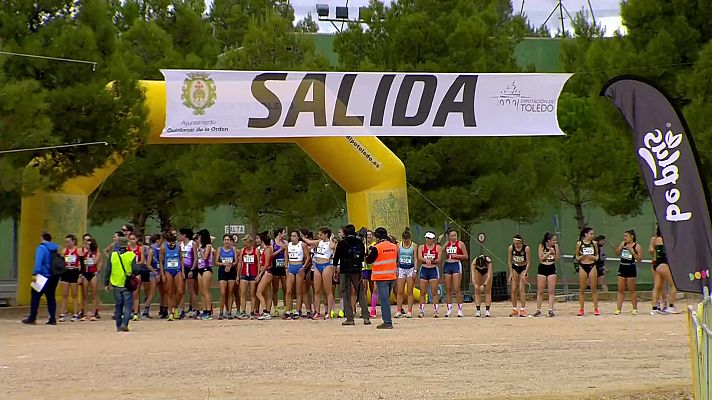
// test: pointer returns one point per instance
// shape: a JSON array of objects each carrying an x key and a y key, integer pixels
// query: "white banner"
[{"x": 247, "y": 104}]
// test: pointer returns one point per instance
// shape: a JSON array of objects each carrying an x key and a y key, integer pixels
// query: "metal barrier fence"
[{"x": 698, "y": 321}]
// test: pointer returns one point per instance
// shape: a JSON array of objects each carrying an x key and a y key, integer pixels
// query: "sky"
[{"x": 607, "y": 12}]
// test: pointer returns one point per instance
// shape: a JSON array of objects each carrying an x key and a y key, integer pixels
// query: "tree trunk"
[
  {"x": 139, "y": 221},
  {"x": 164, "y": 218},
  {"x": 578, "y": 205},
  {"x": 253, "y": 221}
]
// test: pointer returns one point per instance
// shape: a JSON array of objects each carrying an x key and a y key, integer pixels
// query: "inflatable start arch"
[{"x": 370, "y": 174}]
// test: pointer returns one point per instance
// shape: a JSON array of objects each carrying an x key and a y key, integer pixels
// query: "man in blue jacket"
[{"x": 43, "y": 266}]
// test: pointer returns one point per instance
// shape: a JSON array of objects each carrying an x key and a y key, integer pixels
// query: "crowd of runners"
[{"x": 177, "y": 269}]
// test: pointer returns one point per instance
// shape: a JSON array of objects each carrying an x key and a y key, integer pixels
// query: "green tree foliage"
[
  {"x": 307, "y": 25},
  {"x": 63, "y": 102}
]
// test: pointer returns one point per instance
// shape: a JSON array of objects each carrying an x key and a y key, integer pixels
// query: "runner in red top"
[
  {"x": 455, "y": 255},
  {"x": 264, "y": 277},
  {"x": 136, "y": 248},
  {"x": 70, "y": 278},
  {"x": 429, "y": 256},
  {"x": 248, "y": 266}
]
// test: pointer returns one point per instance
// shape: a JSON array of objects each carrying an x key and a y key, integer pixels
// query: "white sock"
[
  {"x": 449, "y": 307},
  {"x": 459, "y": 306}
]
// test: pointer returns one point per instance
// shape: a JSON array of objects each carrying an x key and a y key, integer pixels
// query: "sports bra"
[
  {"x": 323, "y": 250},
  {"x": 296, "y": 253},
  {"x": 519, "y": 257},
  {"x": 430, "y": 254},
  {"x": 550, "y": 257},
  {"x": 452, "y": 249}
]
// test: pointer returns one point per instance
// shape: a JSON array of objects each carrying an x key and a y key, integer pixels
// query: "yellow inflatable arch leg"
[{"x": 372, "y": 176}]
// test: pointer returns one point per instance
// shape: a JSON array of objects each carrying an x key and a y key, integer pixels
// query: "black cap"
[{"x": 380, "y": 233}]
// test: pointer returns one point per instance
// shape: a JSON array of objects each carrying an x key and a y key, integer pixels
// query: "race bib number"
[
  {"x": 587, "y": 251},
  {"x": 430, "y": 257},
  {"x": 185, "y": 253},
  {"x": 248, "y": 258},
  {"x": 518, "y": 259},
  {"x": 172, "y": 264},
  {"x": 406, "y": 260},
  {"x": 451, "y": 250},
  {"x": 280, "y": 263},
  {"x": 550, "y": 257},
  {"x": 227, "y": 260},
  {"x": 626, "y": 254},
  {"x": 89, "y": 262},
  {"x": 294, "y": 255},
  {"x": 70, "y": 259}
]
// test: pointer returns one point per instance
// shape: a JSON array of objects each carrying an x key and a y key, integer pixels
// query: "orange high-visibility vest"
[{"x": 386, "y": 264}]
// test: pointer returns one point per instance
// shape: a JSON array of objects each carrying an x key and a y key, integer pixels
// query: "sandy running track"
[{"x": 567, "y": 357}]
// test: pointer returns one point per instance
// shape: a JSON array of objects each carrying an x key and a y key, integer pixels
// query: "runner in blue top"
[
  {"x": 171, "y": 264},
  {"x": 227, "y": 275}
]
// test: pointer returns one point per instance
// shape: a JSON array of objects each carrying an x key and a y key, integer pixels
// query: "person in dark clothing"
[
  {"x": 348, "y": 261},
  {"x": 43, "y": 266}
]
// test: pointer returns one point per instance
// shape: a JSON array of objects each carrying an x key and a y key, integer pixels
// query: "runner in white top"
[
  {"x": 298, "y": 258},
  {"x": 323, "y": 272}
]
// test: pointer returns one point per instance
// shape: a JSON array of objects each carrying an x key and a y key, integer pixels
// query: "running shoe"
[
  {"x": 206, "y": 316},
  {"x": 229, "y": 315},
  {"x": 145, "y": 315},
  {"x": 373, "y": 314},
  {"x": 265, "y": 316},
  {"x": 287, "y": 315},
  {"x": 220, "y": 317},
  {"x": 448, "y": 313},
  {"x": 618, "y": 312},
  {"x": 341, "y": 313},
  {"x": 421, "y": 314},
  {"x": 81, "y": 315},
  {"x": 367, "y": 322},
  {"x": 275, "y": 313},
  {"x": 135, "y": 317},
  {"x": 398, "y": 315},
  {"x": 634, "y": 311},
  {"x": 176, "y": 313},
  {"x": 537, "y": 313},
  {"x": 83, "y": 318},
  {"x": 478, "y": 314},
  {"x": 244, "y": 316},
  {"x": 460, "y": 314},
  {"x": 295, "y": 316},
  {"x": 348, "y": 322},
  {"x": 580, "y": 313},
  {"x": 514, "y": 313},
  {"x": 522, "y": 313},
  {"x": 671, "y": 310},
  {"x": 170, "y": 317},
  {"x": 596, "y": 312},
  {"x": 435, "y": 315},
  {"x": 309, "y": 314},
  {"x": 487, "y": 314},
  {"x": 409, "y": 315},
  {"x": 75, "y": 318},
  {"x": 96, "y": 315},
  {"x": 182, "y": 315},
  {"x": 551, "y": 313},
  {"x": 315, "y": 316}
]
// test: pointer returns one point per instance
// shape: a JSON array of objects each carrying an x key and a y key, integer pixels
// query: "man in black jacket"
[{"x": 348, "y": 260}]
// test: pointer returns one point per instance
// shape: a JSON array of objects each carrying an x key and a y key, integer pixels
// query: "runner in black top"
[
  {"x": 662, "y": 276},
  {"x": 630, "y": 253},
  {"x": 601, "y": 262},
  {"x": 548, "y": 253},
  {"x": 519, "y": 260},
  {"x": 586, "y": 256}
]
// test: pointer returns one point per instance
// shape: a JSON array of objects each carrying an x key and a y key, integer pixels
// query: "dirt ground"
[{"x": 566, "y": 357}]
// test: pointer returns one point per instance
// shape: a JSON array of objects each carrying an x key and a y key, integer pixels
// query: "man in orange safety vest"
[{"x": 384, "y": 257}]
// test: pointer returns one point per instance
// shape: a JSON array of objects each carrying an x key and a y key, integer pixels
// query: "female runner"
[
  {"x": 279, "y": 270},
  {"x": 264, "y": 277},
  {"x": 227, "y": 275},
  {"x": 519, "y": 260},
  {"x": 149, "y": 287},
  {"x": 92, "y": 266},
  {"x": 154, "y": 251},
  {"x": 601, "y": 263},
  {"x": 298, "y": 254},
  {"x": 546, "y": 273},
  {"x": 662, "y": 276},
  {"x": 136, "y": 248},
  {"x": 429, "y": 256},
  {"x": 248, "y": 266},
  {"x": 630, "y": 252},
  {"x": 188, "y": 249},
  {"x": 481, "y": 273},
  {"x": 205, "y": 271},
  {"x": 406, "y": 274},
  {"x": 171, "y": 265},
  {"x": 308, "y": 298},
  {"x": 323, "y": 272},
  {"x": 586, "y": 256},
  {"x": 455, "y": 253},
  {"x": 70, "y": 277}
]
